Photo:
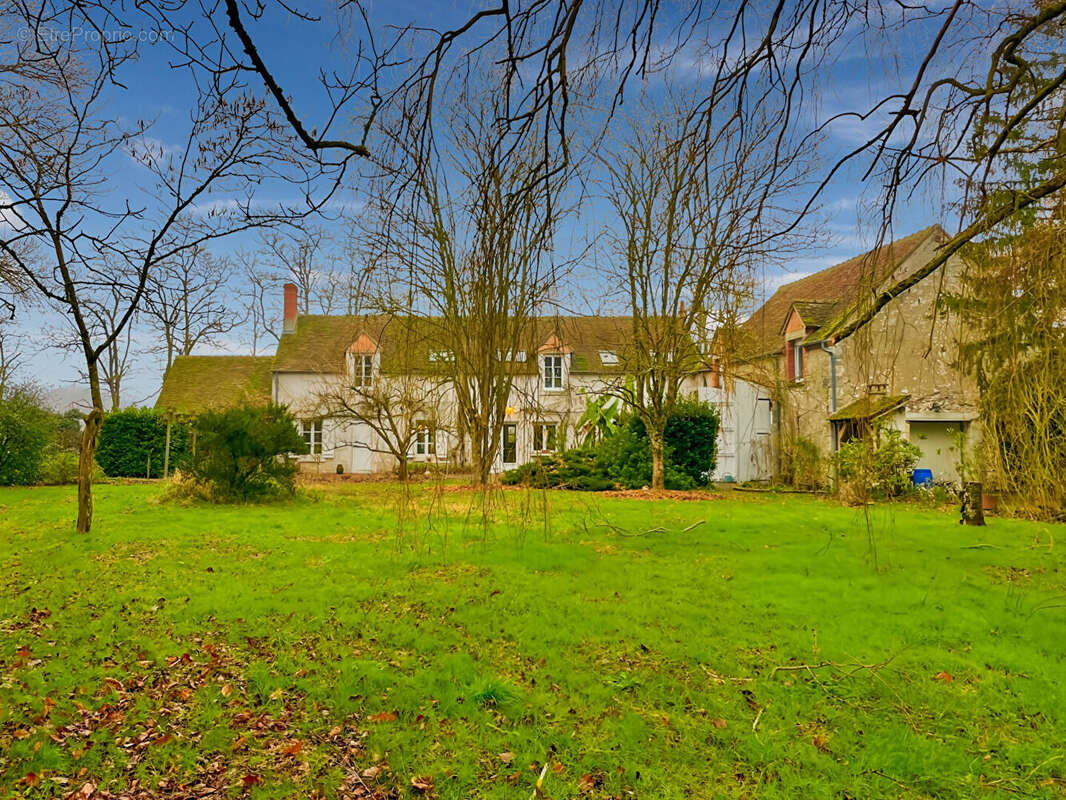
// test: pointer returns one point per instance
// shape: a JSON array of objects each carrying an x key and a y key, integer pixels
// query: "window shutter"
[{"x": 790, "y": 361}]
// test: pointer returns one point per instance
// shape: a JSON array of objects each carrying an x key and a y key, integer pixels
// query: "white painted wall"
[
  {"x": 357, "y": 449},
  {"x": 745, "y": 449}
]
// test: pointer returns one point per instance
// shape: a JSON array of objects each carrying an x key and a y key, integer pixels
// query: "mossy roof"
[
  {"x": 320, "y": 343},
  {"x": 825, "y": 297},
  {"x": 869, "y": 407},
  {"x": 194, "y": 384}
]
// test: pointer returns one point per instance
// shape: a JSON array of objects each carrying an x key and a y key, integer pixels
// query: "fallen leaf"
[
  {"x": 371, "y": 772},
  {"x": 87, "y": 790},
  {"x": 335, "y": 731},
  {"x": 422, "y": 783},
  {"x": 227, "y": 690},
  {"x": 293, "y": 748},
  {"x": 589, "y": 781},
  {"x": 21, "y": 733},
  {"x": 251, "y": 780},
  {"x": 384, "y": 716},
  {"x": 31, "y": 779},
  {"x": 719, "y": 723},
  {"x": 507, "y": 757},
  {"x": 821, "y": 742},
  {"x": 943, "y": 677}
]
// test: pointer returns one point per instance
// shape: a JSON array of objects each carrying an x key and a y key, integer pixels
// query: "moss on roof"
[
  {"x": 320, "y": 343},
  {"x": 869, "y": 407},
  {"x": 814, "y": 313},
  {"x": 194, "y": 384},
  {"x": 827, "y": 296}
]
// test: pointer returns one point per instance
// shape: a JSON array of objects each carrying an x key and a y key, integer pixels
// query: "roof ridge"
[{"x": 915, "y": 239}]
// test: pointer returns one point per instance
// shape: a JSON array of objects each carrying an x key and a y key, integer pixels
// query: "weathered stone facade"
[{"x": 901, "y": 364}]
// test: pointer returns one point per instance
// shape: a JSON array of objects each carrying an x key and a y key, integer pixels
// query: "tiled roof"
[
  {"x": 194, "y": 384},
  {"x": 814, "y": 313},
  {"x": 319, "y": 343},
  {"x": 825, "y": 295},
  {"x": 869, "y": 407}
]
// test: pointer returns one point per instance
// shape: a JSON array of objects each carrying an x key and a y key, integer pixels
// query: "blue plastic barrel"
[{"x": 922, "y": 477}]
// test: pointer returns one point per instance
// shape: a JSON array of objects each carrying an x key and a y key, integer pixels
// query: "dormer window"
[
  {"x": 608, "y": 358},
  {"x": 552, "y": 372},
  {"x": 362, "y": 371},
  {"x": 441, "y": 355}
]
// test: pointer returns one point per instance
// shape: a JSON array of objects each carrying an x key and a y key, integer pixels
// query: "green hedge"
[
  {"x": 26, "y": 431},
  {"x": 133, "y": 443},
  {"x": 623, "y": 458}
]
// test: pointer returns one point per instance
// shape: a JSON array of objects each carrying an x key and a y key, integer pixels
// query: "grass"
[{"x": 321, "y": 649}]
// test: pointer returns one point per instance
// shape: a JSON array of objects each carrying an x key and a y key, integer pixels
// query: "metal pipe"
[{"x": 833, "y": 388}]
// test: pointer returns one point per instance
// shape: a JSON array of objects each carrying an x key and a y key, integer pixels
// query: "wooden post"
[
  {"x": 972, "y": 513},
  {"x": 166, "y": 452}
]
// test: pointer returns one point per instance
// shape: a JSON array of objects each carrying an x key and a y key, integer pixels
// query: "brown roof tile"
[{"x": 825, "y": 295}]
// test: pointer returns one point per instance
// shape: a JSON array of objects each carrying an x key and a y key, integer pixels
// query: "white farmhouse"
[{"x": 326, "y": 365}]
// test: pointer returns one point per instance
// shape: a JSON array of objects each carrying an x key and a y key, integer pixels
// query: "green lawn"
[{"x": 319, "y": 649}]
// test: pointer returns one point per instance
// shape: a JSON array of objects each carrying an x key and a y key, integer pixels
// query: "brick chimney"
[{"x": 291, "y": 312}]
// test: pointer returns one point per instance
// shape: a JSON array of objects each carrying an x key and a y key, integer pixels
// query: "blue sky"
[{"x": 296, "y": 50}]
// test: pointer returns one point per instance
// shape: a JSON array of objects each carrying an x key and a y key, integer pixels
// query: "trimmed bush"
[
  {"x": 573, "y": 469},
  {"x": 623, "y": 458},
  {"x": 242, "y": 453},
  {"x": 133, "y": 444},
  {"x": 26, "y": 430},
  {"x": 690, "y": 443}
]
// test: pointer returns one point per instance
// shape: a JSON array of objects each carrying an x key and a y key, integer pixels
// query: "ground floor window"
[
  {"x": 311, "y": 430},
  {"x": 425, "y": 439},
  {"x": 509, "y": 445},
  {"x": 544, "y": 437}
]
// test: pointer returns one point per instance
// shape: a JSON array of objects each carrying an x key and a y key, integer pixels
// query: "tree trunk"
[
  {"x": 401, "y": 469},
  {"x": 972, "y": 513},
  {"x": 87, "y": 458},
  {"x": 658, "y": 477}
]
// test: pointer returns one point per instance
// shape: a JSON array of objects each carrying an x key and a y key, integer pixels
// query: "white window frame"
[
  {"x": 548, "y": 434},
  {"x": 797, "y": 360},
  {"x": 425, "y": 439},
  {"x": 311, "y": 431},
  {"x": 553, "y": 373},
  {"x": 362, "y": 371},
  {"x": 608, "y": 358}
]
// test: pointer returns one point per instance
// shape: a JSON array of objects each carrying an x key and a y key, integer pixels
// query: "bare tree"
[
  {"x": 187, "y": 301},
  {"x": 11, "y": 355},
  {"x": 472, "y": 232},
  {"x": 692, "y": 225},
  {"x": 103, "y": 314},
  {"x": 301, "y": 257},
  {"x": 981, "y": 75},
  {"x": 65, "y": 227},
  {"x": 401, "y": 409},
  {"x": 258, "y": 292}
]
